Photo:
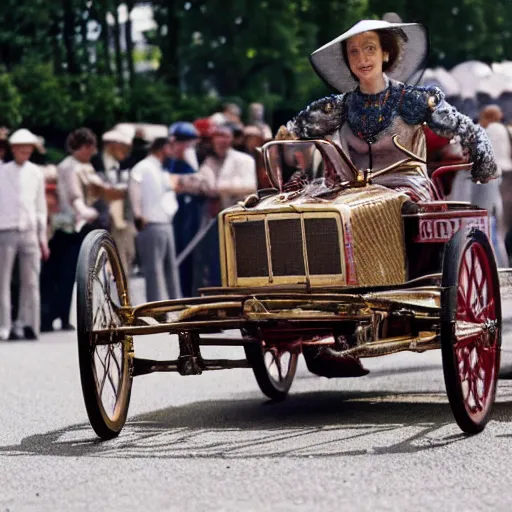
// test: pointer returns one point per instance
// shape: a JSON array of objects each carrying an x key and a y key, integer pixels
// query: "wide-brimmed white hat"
[
  {"x": 330, "y": 65},
  {"x": 121, "y": 134},
  {"x": 23, "y": 136}
]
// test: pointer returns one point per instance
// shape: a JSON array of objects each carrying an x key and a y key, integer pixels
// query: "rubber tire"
[
  {"x": 256, "y": 357},
  {"x": 453, "y": 253},
  {"x": 104, "y": 427}
]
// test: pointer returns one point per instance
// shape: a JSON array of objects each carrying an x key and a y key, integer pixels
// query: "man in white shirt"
[
  {"x": 23, "y": 223},
  {"x": 154, "y": 205}
]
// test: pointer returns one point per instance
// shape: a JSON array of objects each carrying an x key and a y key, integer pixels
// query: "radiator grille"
[
  {"x": 285, "y": 245},
  {"x": 323, "y": 246},
  {"x": 251, "y": 249}
]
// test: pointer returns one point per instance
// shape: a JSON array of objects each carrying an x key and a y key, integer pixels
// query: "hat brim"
[
  {"x": 24, "y": 142},
  {"x": 114, "y": 136},
  {"x": 329, "y": 62}
]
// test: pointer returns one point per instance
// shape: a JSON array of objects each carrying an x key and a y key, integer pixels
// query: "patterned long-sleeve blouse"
[{"x": 373, "y": 117}]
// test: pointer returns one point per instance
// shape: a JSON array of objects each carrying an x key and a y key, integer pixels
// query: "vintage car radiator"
[{"x": 286, "y": 249}]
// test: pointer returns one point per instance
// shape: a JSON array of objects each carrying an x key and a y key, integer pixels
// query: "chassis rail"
[
  {"x": 218, "y": 312},
  {"x": 295, "y": 308}
]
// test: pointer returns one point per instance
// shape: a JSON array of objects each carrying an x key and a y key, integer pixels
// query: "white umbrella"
[
  {"x": 495, "y": 85},
  {"x": 441, "y": 78},
  {"x": 503, "y": 68},
  {"x": 469, "y": 75}
]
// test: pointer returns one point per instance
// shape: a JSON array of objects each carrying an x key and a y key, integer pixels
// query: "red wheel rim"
[{"x": 476, "y": 332}]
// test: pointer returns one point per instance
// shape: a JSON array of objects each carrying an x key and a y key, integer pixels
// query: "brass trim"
[
  {"x": 305, "y": 250},
  {"x": 269, "y": 252},
  {"x": 307, "y": 279},
  {"x": 425, "y": 341},
  {"x": 222, "y": 249},
  {"x": 169, "y": 328},
  {"x": 330, "y": 151}
]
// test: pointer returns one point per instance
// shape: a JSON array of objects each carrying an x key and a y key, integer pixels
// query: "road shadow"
[{"x": 321, "y": 424}]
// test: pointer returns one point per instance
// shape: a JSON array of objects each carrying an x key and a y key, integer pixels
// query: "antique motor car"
[{"x": 327, "y": 259}]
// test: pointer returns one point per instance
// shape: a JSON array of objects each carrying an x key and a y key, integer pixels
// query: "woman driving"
[{"x": 369, "y": 64}]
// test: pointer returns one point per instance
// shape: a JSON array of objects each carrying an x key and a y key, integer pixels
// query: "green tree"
[
  {"x": 459, "y": 31},
  {"x": 46, "y": 97},
  {"x": 10, "y": 101}
]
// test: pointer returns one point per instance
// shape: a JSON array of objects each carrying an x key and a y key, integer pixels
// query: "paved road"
[{"x": 383, "y": 442}]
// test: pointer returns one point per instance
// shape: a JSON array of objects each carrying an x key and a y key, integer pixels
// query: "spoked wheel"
[
  {"x": 274, "y": 369},
  {"x": 470, "y": 329},
  {"x": 106, "y": 363}
]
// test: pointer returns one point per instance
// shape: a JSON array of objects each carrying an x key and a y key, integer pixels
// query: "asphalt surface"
[{"x": 386, "y": 441}]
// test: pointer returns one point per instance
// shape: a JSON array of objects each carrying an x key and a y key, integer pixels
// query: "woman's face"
[{"x": 365, "y": 56}]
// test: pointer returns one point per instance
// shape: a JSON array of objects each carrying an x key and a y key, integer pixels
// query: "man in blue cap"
[{"x": 187, "y": 221}]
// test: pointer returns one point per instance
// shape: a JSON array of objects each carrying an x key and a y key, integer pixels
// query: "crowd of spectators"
[{"x": 157, "y": 195}]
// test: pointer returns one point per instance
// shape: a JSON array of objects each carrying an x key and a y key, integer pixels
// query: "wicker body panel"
[{"x": 375, "y": 217}]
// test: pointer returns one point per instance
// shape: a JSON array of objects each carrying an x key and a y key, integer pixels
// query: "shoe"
[
  {"x": 68, "y": 327},
  {"x": 15, "y": 335},
  {"x": 29, "y": 334},
  {"x": 327, "y": 362},
  {"x": 4, "y": 334}
]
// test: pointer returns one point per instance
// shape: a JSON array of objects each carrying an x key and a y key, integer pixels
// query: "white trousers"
[{"x": 24, "y": 245}]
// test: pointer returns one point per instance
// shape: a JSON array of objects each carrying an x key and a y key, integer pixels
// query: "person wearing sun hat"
[
  {"x": 23, "y": 224},
  {"x": 117, "y": 146},
  {"x": 369, "y": 66}
]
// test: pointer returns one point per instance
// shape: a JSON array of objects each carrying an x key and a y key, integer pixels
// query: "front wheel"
[
  {"x": 106, "y": 361},
  {"x": 470, "y": 328}
]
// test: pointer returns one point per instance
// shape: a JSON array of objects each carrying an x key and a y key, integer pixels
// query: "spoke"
[
  {"x": 272, "y": 361},
  {"x": 482, "y": 283},
  {"x": 116, "y": 361},
  {"x": 471, "y": 276},
  {"x": 468, "y": 341},
  {"x": 489, "y": 311},
  {"x": 103, "y": 380},
  {"x": 279, "y": 367},
  {"x": 107, "y": 301},
  {"x": 106, "y": 365},
  {"x": 479, "y": 405}
]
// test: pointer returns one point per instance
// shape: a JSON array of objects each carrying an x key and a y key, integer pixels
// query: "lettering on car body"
[{"x": 442, "y": 230}]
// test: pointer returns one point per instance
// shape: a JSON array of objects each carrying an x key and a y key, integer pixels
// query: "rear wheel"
[
  {"x": 470, "y": 328},
  {"x": 106, "y": 361},
  {"x": 273, "y": 367}
]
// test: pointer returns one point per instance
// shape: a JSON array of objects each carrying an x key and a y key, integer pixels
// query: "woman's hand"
[{"x": 484, "y": 169}]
